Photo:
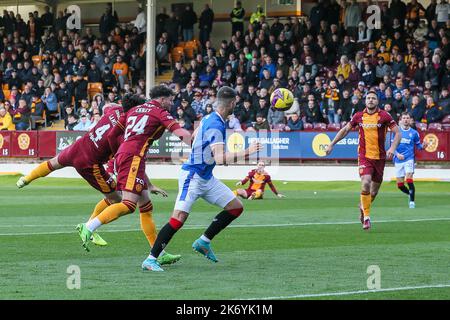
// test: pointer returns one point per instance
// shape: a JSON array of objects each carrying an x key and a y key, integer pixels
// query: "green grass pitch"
[{"x": 307, "y": 246}]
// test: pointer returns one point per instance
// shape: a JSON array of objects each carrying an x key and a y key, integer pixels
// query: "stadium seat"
[
  {"x": 435, "y": 127},
  {"x": 307, "y": 126},
  {"x": 334, "y": 126},
  {"x": 421, "y": 126},
  {"x": 94, "y": 88},
  {"x": 189, "y": 52},
  {"x": 320, "y": 126},
  {"x": 178, "y": 54}
]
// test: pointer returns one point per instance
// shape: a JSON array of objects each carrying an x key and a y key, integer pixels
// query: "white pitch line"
[
  {"x": 347, "y": 293},
  {"x": 237, "y": 225},
  {"x": 193, "y": 227}
]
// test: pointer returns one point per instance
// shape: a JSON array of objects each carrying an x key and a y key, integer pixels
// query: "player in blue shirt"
[
  {"x": 404, "y": 157},
  {"x": 197, "y": 181}
]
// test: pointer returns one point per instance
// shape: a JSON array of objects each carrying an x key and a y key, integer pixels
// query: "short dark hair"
[
  {"x": 161, "y": 91},
  {"x": 226, "y": 93},
  {"x": 131, "y": 100},
  {"x": 406, "y": 113},
  {"x": 372, "y": 92}
]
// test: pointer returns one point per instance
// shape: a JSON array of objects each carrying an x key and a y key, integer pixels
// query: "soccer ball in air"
[{"x": 282, "y": 99}]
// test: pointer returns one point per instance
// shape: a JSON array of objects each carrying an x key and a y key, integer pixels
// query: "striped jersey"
[
  {"x": 144, "y": 124},
  {"x": 372, "y": 133}
]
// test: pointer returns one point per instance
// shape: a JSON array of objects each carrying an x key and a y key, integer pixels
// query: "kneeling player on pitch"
[{"x": 258, "y": 179}]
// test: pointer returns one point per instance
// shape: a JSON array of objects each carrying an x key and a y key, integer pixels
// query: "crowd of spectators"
[{"x": 329, "y": 60}]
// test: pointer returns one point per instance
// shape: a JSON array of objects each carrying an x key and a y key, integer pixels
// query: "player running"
[
  {"x": 197, "y": 181},
  {"x": 373, "y": 124},
  {"x": 88, "y": 155},
  {"x": 258, "y": 179},
  {"x": 404, "y": 157},
  {"x": 143, "y": 124}
]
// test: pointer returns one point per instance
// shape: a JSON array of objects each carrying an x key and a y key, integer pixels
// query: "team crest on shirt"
[
  {"x": 1, "y": 141},
  {"x": 433, "y": 142}
]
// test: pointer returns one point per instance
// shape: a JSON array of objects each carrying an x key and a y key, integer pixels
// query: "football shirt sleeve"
[{"x": 214, "y": 133}]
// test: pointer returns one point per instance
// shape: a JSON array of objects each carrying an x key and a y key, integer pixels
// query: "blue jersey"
[
  {"x": 210, "y": 131},
  {"x": 410, "y": 140}
]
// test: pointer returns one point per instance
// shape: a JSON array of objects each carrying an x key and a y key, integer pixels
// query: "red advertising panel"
[
  {"x": 438, "y": 146},
  {"x": 5, "y": 143},
  {"x": 47, "y": 145},
  {"x": 24, "y": 144}
]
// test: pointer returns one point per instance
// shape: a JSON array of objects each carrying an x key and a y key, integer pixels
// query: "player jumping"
[
  {"x": 373, "y": 124},
  {"x": 88, "y": 154},
  {"x": 143, "y": 124},
  {"x": 258, "y": 179},
  {"x": 404, "y": 157},
  {"x": 197, "y": 181}
]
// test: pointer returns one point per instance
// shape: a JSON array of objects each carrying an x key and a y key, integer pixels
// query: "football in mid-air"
[{"x": 282, "y": 99}]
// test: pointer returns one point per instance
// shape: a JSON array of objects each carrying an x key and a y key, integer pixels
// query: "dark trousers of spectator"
[
  {"x": 188, "y": 34},
  {"x": 352, "y": 32},
  {"x": 237, "y": 26},
  {"x": 204, "y": 36},
  {"x": 22, "y": 126}
]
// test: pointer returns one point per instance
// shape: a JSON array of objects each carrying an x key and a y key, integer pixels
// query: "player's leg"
[
  {"x": 188, "y": 192},
  {"x": 219, "y": 194},
  {"x": 409, "y": 169},
  {"x": 241, "y": 193},
  {"x": 400, "y": 174},
  {"x": 42, "y": 170},
  {"x": 258, "y": 194},
  {"x": 111, "y": 213},
  {"x": 131, "y": 180},
  {"x": 366, "y": 199},
  {"x": 149, "y": 228}
]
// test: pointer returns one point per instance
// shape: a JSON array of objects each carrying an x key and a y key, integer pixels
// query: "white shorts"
[
  {"x": 402, "y": 168},
  {"x": 191, "y": 187}
]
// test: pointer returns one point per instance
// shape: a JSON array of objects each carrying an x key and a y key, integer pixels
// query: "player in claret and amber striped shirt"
[
  {"x": 373, "y": 124},
  {"x": 258, "y": 179}
]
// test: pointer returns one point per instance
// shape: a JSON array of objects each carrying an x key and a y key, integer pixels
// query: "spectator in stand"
[
  {"x": 309, "y": 67},
  {"x": 188, "y": 19},
  {"x": 37, "y": 111},
  {"x": 233, "y": 123},
  {"x": 205, "y": 24},
  {"x": 237, "y": 18},
  {"x": 260, "y": 124},
  {"x": 21, "y": 116},
  {"x": 441, "y": 13},
  {"x": 275, "y": 118},
  {"x": 312, "y": 113},
  {"x": 417, "y": 108},
  {"x": 414, "y": 10},
  {"x": 83, "y": 124},
  {"x": 94, "y": 74},
  {"x": 120, "y": 70},
  {"x": 353, "y": 16},
  {"x": 6, "y": 121},
  {"x": 330, "y": 104},
  {"x": 294, "y": 123},
  {"x": 50, "y": 100},
  {"x": 433, "y": 112},
  {"x": 108, "y": 21}
]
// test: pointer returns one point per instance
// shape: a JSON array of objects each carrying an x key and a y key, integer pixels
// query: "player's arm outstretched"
[
  {"x": 223, "y": 157},
  {"x": 340, "y": 135},
  {"x": 274, "y": 190},
  {"x": 244, "y": 181}
]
